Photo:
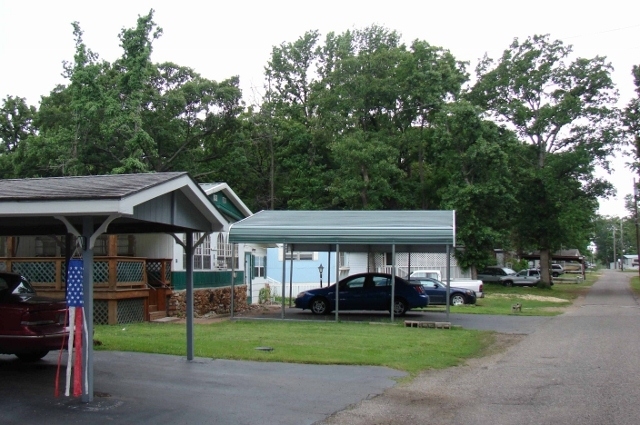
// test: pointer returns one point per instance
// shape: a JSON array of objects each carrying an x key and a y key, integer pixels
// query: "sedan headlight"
[{"x": 301, "y": 294}]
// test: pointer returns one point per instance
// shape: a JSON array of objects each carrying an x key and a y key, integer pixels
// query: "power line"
[{"x": 602, "y": 32}]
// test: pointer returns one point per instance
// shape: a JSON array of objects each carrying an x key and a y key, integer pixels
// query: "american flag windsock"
[{"x": 75, "y": 304}]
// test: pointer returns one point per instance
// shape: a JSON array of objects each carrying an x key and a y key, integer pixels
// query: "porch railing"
[{"x": 109, "y": 273}]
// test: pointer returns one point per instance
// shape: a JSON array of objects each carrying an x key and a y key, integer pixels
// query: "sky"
[{"x": 221, "y": 39}]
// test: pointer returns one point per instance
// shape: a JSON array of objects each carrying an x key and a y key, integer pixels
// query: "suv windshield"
[{"x": 14, "y": 284}]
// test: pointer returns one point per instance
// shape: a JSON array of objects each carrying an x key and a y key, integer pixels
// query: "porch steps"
[{"x": 154, "y": 314}]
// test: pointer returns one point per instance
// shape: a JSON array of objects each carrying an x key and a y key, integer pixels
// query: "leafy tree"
[
  {"x": 607, "y": 230},
  {"x": 476, "y": 179},
  {"x": 16, "y": 125},
  {"x": 565, "y": 111},
  {"x": 132, "y": 115},
  {"x": 299, "y": 144},
  {"x": 430, "y": 78},
  {"x": 631, "y": 118}
]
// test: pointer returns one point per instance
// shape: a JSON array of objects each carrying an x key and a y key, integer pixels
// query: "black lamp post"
[{"x": 320, "y": 269}]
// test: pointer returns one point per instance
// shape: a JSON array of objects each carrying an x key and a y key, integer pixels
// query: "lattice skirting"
[
  {"x": 100, "y": 312},
  {"x": 128, "y": 311}
]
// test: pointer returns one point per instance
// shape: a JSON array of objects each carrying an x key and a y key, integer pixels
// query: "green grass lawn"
[
  {"x": 392, "y": 345},
  {"x": 349, "y": 343},
  {"x": 498, "y": 299}
]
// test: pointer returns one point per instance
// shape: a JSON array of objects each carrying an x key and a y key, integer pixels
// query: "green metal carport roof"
[
  {"x": 408, "y": 231},
  {"x": 351, "y": 231}
]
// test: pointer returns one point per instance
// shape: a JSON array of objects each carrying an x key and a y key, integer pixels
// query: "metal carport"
[
  {"x": 362, "y": 231},
  {"x": 88, "y": 206}
]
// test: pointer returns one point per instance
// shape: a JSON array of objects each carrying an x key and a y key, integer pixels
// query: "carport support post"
[
  {"x": 233, "y": 287},
  {"x": 448, "y": 260},
  {"x": 189, "y": 294},
  {"x": 284, "y": 275},
  {"x": 291, "y": 277},
  {"x": 393, "y": 279},
  {"x": 337, "y": 276},
  {"x": 87, "y": 288},
  {"x": 329, "y": 267}
]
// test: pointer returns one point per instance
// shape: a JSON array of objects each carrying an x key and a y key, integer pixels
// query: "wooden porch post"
[
  {"x": 112, "y": 247},
  {"x": 11, "y": 251}
]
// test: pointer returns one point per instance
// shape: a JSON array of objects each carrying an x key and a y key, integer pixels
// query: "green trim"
[
  {"x": 225, "y": 206},
  {"x": 208, "y": 279}
]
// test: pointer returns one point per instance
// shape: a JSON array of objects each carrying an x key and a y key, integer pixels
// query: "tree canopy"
[
  {"x": 565, "y": 111},
  {"x": 357, "y": 120}
]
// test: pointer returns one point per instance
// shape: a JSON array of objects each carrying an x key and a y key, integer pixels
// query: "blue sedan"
[
  {"x": 365, "y": 291},
  {"x": 437, "y": 292}
]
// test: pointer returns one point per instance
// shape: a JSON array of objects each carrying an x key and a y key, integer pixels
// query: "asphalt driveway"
[
  {"x": 133, "y": 388},
  {"x": 510, "y": 324}
]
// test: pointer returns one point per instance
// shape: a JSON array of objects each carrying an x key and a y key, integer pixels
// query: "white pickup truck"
[{"x": 475, "y": 285}]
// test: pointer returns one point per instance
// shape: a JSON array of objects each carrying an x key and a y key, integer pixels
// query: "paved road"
[{"x": 579, "y": 368}]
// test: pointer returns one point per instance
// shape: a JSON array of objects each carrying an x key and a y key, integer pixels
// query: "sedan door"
[
  {"x": 437, "y": 293},
  {"x": 353, "y": 293},
  {"x": 380, "y": 294}
]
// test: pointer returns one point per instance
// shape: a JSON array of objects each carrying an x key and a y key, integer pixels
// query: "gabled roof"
[
  {"x": 140, "y": 203},
  {"x": 228, "y": 203},
  {"x": 417, "y": 231}
]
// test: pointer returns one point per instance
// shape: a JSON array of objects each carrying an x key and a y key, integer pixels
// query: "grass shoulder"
[{"x": 635, "y": 285}]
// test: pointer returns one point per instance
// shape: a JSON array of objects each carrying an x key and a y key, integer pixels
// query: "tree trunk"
[{"x": 545, "y": 269}]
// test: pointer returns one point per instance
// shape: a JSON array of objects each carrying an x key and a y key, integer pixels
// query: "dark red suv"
[{"x": 30, "y": 325}]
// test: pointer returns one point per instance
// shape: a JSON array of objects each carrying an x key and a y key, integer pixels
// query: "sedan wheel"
[
  {"x": 508, "y": 283},
  {"x": 319, "y": 306},
  {"x": 457, "y": 299},
  {"x": 399, "y": 307}
]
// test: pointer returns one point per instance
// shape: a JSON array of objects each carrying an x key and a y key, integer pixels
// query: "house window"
[
  {"x": 259, "y": 266},
  {"x": 46, "y": 247},
  {"x": 201, "y": 254},
  {"x": 299, "y": 255},
  {"x": 227, "y": 254},
  {"x": 125, "y": 245}
]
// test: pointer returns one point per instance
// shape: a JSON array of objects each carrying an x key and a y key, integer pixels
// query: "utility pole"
[
  {"x": 621, "y": 247},
  {"x": 615, "y": 258},
  {"x": 635, "y": 209}
]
